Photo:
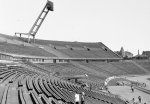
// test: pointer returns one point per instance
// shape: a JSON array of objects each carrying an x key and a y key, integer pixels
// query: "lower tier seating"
[{"x": 22, "y": 85}]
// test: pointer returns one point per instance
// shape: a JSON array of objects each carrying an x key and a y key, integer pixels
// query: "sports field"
[{"x": 125, "y": 92}]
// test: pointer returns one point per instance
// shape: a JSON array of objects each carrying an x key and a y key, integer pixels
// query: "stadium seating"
[
  {"x": 128, "y": 67},
  {"x": 23, "y": 50},
  {"x": 27, "y": 85},
  {"x": 79, "y": 49},
  {"x": 64, "y": 68},
  {"x": 144, "y": 63},
  {"x": 108, "y": 67},
  {"x": 45, "y": 83},
  {"x": 83, "y": 53}
]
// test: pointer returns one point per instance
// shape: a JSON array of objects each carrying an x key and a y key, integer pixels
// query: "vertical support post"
[
  {"x": 34, "y": 38},
  {"x": 28, "y": 38}
]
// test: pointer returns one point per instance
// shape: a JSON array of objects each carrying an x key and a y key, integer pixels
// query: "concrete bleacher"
[
  {"x": 79, "y": 49},
  {"x": 97, "y": 71},
  {"x": 129, "y": 67},
  {"x": 80, "y": 52},
  {"x": 31, "y": 87},
  {"x": 64, "y": 43},
  {"x": 64, "y": 68},
  {"x": 23, "y": 50},
  {"x": 108, "y": 67},
  {"x": 16, "y": 45},
  {"x": 114, "y": 68},
  {"x": 144, "y": 63},
  {"x": 70, "y": 53}
]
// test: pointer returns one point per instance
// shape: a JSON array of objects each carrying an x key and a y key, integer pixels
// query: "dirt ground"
[{"x": 126, "y": 93}]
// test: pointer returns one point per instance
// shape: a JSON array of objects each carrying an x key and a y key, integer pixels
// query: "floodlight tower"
[{"x": 34, "y": 29}]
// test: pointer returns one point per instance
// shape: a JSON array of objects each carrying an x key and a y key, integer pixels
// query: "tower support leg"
[
  {"x": 28, "y": 38},
  {"x": 33, "y": 38}
]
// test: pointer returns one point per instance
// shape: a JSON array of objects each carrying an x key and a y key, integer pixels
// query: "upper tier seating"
[
  {"x": 23, "y": 50},
  {"x": 83, "y": 53},
  {"x": 19, "y": 46},
  {"x": 80, "y": 49},
  {"x": 65, "y": 43}
]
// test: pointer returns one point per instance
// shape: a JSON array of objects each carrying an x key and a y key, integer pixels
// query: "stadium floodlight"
[{"x": 50, "y": 6}]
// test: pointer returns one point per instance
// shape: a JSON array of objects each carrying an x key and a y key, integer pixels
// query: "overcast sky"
[{"x": 115, "y": 23}]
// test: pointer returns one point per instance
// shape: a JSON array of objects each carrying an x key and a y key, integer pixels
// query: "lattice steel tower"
[{"x": 34, "y": 29}]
